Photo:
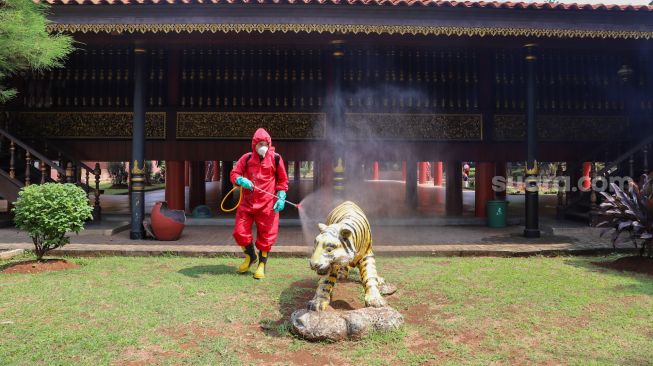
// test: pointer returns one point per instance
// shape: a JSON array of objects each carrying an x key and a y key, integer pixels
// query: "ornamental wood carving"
[
  {"x": 433, "y": 127},
  {"x": 88, "y": 125},
  {"x": 242, "y": 125},
  {"x": 512, "y": 127}
]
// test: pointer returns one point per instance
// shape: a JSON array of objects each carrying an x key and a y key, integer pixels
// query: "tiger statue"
[{"x": 343, "y": 243}]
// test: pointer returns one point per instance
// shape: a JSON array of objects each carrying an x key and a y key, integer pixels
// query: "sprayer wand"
[{"x": 298, "y": 206}]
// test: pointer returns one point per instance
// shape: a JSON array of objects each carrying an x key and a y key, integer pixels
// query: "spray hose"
[{"x": 240, "y": 197}]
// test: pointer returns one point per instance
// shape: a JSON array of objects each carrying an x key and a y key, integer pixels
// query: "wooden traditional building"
[{"x": 427, "y": 80}]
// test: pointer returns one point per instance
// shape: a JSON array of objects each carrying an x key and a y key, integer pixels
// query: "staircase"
[
  {"x": 584, "y": 205},
  {"x": 22, "y": 165}
]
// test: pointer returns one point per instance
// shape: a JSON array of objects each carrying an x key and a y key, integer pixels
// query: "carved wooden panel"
[
  {"x": 237, "y": 125},
  {"x": 87, "y": 125},
  {"x": 436, "y": 127},
  {"x": 512, "y": 127}
]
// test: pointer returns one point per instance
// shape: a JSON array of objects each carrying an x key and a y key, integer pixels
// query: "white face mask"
[{"x": 262, "y": 150}]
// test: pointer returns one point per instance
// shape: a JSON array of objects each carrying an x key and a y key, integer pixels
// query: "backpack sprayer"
[{"x": 240, "y": 197}]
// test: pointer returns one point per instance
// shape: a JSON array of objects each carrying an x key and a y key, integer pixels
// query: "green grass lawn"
[
  {"x": 110, "y": 191},
  {"x": 478, "y": 311}
]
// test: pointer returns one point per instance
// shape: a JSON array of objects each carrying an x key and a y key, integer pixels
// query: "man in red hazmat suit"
[{"x": 259, "y": 171}]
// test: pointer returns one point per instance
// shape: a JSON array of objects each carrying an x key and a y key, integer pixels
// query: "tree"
[{"x": 25, "y": 42}]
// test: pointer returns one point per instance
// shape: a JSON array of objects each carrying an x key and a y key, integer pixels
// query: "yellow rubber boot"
[
  {"x": 250, "y": 258},
  {"x": 262, "y": 261}
]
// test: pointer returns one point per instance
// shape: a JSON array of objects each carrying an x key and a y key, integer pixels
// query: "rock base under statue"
[{"x": 341, "y": 325}]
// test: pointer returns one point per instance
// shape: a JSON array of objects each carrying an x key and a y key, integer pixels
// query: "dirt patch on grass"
[
  {"x": 36, "y": 266},
  {"x": 632, "y": 264},
  {"x": 149, "y": 355}
]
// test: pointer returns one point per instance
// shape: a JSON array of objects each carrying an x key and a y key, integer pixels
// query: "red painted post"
[
  {"x": 216, "y": 171},
  {"x": 375, "y": 170},
  {"x": 483, "y": 187},
  {"x": 437, "y": 173},
  {"x": 454, "y": 190},
  {"x": 587, "y": 168},
  {"x": 186, "y": 173},
  {"x": 403, "y": 171},
  {"x": 502, "y": 171},
  {"x": 423, "y": 170},
  {"x": 175, "y": 192},
  {"x": 197, "y": 190}
]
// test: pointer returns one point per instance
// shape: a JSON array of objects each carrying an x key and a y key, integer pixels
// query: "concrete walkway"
[
  {"x": 424, "y": 232},
  {"x": 388, "y": 240}
]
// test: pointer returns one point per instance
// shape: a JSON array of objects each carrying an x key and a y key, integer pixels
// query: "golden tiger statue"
[{"x": 345, "y": 242}]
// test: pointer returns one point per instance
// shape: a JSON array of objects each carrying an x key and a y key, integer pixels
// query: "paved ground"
[
  {"x": 425, "y": 231},
  {"x": 388, "y": 240}
]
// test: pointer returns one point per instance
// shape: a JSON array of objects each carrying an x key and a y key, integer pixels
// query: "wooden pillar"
[
  {"x": 411, "y": 184},
  {"x": 216, "y": 171},
  {"x": 437, "y": 173},
  {"x": 186, "y": 173},
  {"x": 501, "y": 170},
  {"x": 403, "y": 171},
  {"x": 532, "y": 227},
  {"x": 175, "y": 192},
  {"x": 297, "y": 167},
  {"x": 137, "y": 195},
  {"x": 225, "y": 182},
  {"x": 423, "y": 172},
  {"x": 197, "y": 188},
  {"x": 454, "y": 190},
  {"x": 483, "y": 187},
  {"x": 375, "y": 170}
]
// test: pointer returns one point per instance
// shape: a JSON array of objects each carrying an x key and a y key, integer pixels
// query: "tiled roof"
[{"x": 436, "y": 3}]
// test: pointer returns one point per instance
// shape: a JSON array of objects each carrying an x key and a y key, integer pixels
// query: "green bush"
[
  {"x": 49, "y": 211},
  {"x": 117, "y": 173}
]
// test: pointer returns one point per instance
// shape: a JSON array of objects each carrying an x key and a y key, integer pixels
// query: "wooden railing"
[{"x": 22, "y": 165}]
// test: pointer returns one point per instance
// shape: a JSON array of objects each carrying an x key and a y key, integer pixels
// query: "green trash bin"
[{"x": 496, "y": 213}]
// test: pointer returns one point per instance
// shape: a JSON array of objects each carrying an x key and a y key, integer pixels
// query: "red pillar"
[
  {"x": 216, "y": 171},
  {"x": 437, "y": 173},
  {"x": 197, "y": 190},
  {"x": 483, "y": 187},
  {"x": 454, "y": 191},
  {"x": 502, "y": 171},
  {"x": 587, "y": 168},
  {"x": 375, "y": 170},
  {"x": 186, "y": 173},
  {"x": 422, "y": 172},
  {"x": 403, "y": 171},
  {"x": 175, "y": 191}
]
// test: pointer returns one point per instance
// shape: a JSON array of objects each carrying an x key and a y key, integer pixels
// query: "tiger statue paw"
[
  {"x": 317, "y": 305},
  {"x": 375, "y": 301},
  {"x": 345, "y": 242}
]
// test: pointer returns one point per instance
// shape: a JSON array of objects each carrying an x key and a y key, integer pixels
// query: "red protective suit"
[{"x": 256, "y": 206}]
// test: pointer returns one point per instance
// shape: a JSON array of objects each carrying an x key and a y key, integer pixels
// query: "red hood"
[{"x": 261, "y": 135}]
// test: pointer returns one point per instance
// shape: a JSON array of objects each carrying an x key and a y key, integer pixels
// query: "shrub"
[
  {"x": 117, "y": 172},
  {"x": 630, "y": 213},
  {"x": 49, "y": 211}
]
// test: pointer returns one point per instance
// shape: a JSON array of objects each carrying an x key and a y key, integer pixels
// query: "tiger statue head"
[{"x": 332, "y": 246}]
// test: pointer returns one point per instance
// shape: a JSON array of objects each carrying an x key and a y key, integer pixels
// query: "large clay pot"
[{"x": 167, "y": 224}]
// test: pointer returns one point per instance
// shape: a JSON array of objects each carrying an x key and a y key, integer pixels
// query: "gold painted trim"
[
  {"x": 190, "y": 118},
  {"x": 531, "y": 58},
  {"x": 50, "y": 117},
  {"x": 351, "y": 29},
  {"x": 370, "y": 117},
  {"x": 139, "y": 50},
  {"x": 137, "y": 171}
]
